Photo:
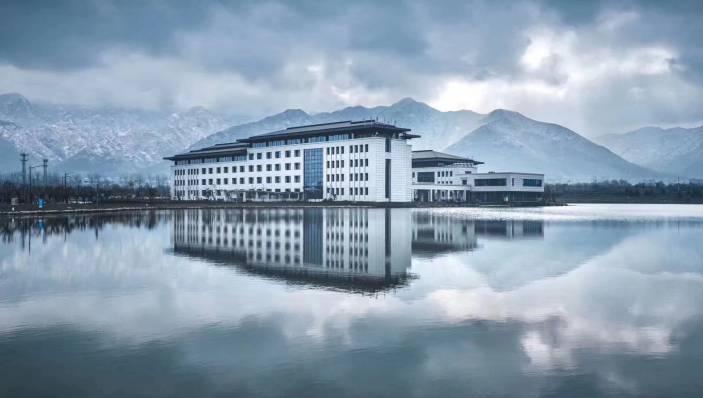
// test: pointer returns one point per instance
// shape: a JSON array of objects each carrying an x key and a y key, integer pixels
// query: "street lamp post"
[
  {"x": 65, "y": 185},
  {"x": 30, "y": 179}
]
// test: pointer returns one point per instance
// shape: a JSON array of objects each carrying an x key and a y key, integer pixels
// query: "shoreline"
[{"x": 111, "y": 207}]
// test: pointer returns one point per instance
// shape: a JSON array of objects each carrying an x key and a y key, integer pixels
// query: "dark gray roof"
[
  {"x": 429, "y": 154},
  {"x": 334, "y": 127},
  {"x": 292, "y": 132},
  {"x": 230, "y": 148}
]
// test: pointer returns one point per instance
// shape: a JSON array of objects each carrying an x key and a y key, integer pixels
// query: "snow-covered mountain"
[
  {"x": 438, "y": 129},
  {"x": 506, "y": 141},
  {"x": 677, "y": 151},
  {"x": 117, "y": 141},
  {"x": 104, "y": 140},
  {"x": 509, "y": 141}
]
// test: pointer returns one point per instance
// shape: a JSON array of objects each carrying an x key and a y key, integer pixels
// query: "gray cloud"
[{"x": 594, "y": 66}]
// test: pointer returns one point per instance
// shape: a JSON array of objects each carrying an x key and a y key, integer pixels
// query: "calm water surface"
[{"x": 579, "y": 301}]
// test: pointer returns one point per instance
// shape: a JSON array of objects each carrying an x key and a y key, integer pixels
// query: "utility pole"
[
  {"x": 23, "y": 159},
  {"x": 65, "y": 186},
  {"x": 45, "y": 164},
  {"x": 30, "y": 180}
]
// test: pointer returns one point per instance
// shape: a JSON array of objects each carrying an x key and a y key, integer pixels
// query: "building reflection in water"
[
  {"x": 346, "y": 248},
  {"x": 437, "y": 233}
]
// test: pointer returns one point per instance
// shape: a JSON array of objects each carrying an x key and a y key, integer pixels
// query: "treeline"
[
  {"x": 77, "y": 188},
  {"x": 623, "y": 191}
]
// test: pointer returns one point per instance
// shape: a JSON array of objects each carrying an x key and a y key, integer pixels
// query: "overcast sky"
[{"x": 596, "y": 67}]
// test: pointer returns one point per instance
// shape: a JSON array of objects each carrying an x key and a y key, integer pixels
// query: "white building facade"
[
  {"x": 363, "y": 161},
  {"x": 441, "y": 177}
]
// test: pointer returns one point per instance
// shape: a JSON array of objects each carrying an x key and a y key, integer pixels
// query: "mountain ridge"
[
  {"x": 676, "y": 150},
  {"x": 117, "y": 141}
]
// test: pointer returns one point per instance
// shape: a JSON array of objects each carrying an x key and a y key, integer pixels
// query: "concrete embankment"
[{"x": 105, "y": 207}]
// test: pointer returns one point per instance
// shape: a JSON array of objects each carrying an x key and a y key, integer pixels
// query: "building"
[
  {"x": 441, "y": 177},
  {"x": 351, "y": 248},
  {"x": 363, "y": 161}
]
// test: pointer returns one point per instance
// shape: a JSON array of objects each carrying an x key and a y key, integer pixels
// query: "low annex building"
[
  {"x": 441, "y": 177},
  {"x": 364, "y": 161}
]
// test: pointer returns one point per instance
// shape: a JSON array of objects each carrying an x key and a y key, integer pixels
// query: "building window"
[
  {"x": 388, "y": 178},
  {"x": 531, "y": 182},
  {"x": 258, "y": 156},
  {"x": 491, "y": 182},
  {"x": 268, "y": 155},
  {"x": 251, "y": 157},
  {"x": 425, "y": 176},
  {"x": 312, "y": 173},
  {"x": 297, "y": 164},
  {"x": 388, "y": 144},
  {"x": 287, "y": 154},
  {"x": 297, "y": 152}
]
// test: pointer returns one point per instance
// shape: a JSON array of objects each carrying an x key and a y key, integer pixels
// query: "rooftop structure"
[{"x": 430, "y": 158}]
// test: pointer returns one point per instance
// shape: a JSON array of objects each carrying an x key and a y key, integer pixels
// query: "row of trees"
[
  {"x": 624, "y": 191},
  {"x": 88, "y": 188}
]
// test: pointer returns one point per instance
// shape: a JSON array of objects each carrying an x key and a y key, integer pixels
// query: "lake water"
[{"x": 578, "y": 301}]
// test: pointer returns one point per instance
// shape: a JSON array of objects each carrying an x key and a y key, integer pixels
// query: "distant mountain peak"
[
  {"x": 15, "y": 107},
  {"x": 505, "y": 114},
  {"x": 406, "y": 101},
  {"x": 7, "y": 98},
  {"x": 293, "y": 112},
  {"x": 409, "y": 103}
]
